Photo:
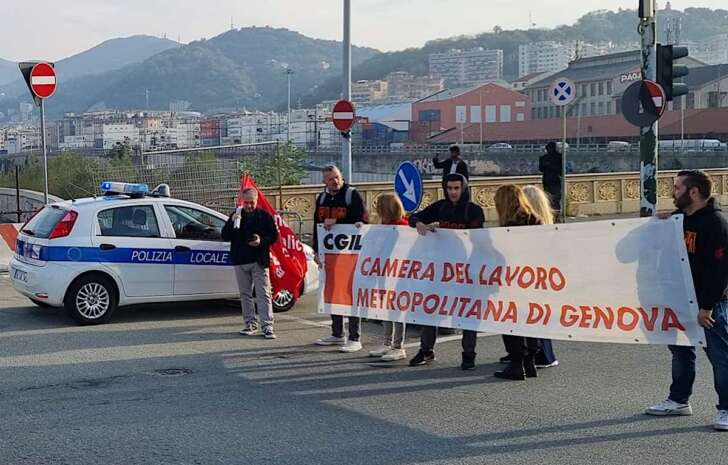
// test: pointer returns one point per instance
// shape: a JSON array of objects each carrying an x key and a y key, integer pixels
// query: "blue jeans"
[{"x": 683, "y": 361}]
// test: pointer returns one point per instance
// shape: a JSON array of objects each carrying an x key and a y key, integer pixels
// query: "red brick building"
[
  {"x": 698, "y": 124},
  {"x": 452, "y": 109}
]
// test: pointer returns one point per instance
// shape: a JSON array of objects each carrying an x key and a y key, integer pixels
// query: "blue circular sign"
[{"x": 408, "y": 186}]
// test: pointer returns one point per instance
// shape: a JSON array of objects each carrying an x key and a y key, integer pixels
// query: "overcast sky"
[{"x": 71, "y": 26}]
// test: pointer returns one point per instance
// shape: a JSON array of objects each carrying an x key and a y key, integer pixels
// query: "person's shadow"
[{"x": 659, "y": 253}]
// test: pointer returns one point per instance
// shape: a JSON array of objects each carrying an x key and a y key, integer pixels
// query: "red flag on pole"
[{"x": 288, "y": 260}]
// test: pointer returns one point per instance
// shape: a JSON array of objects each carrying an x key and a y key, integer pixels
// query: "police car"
[{"x": 126, "y": 247}]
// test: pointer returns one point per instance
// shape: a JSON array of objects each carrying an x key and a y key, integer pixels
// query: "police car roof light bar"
[{"x": 118, "y": 188}]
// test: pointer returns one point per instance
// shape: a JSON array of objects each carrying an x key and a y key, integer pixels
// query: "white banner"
[{"x": 623, "y": 281}]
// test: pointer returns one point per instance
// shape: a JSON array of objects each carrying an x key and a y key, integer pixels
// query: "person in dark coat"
[
  {"x": 454, "y": 164},
  {"x": 251, "y": 231},
  {"x": 550, "y": 164}
]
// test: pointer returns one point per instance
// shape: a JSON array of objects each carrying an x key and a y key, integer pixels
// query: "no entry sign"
[
  {"x": 43, "y": 80},
  {"x": 643, "y": 103},
  {"x": 343, "y": 115}
]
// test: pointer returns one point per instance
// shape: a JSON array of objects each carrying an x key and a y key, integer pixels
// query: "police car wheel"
[
  {"x": 91, "y": 300},
  {"x": 283, "y": 301}
]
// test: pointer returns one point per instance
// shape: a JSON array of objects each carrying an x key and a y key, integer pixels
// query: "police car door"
[
  {"x": 130, "y": 243},
  {"x": 202, "y": 259}
]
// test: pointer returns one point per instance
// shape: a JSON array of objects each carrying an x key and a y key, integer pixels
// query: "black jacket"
[
  {"x": 706, "y": 239},
  {"x": 550, "y": 165},
  {"x": 335, "y": 206},
  {"x": 462, "y": 215},
  {"x": 446, "y": 165},
  {"x": 258, "y": 222}
]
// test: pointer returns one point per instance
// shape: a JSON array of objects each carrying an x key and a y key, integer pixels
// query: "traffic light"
[{"x": 668, "y": 71}]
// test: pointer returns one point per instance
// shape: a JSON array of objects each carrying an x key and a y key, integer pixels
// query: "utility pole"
[
  {"x": 346, "y": 74},
  {"x": 289, "y": 71},
  {"x": 648, "y": 134}
]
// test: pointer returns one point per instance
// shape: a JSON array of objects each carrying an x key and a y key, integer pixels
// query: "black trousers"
[
  {"x": 429, "y": 336},
  {"x": 521, "y": 347},
  {"x": 337, "y": 327}
]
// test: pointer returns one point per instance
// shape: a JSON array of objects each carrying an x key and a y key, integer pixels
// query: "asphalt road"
[{"x": 176, "y": 384}]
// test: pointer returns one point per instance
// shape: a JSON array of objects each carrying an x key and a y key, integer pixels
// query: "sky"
[{"x": 72, "y": 26}]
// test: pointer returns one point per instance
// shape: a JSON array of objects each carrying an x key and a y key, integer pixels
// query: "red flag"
[{"x": 288, "y": 264}]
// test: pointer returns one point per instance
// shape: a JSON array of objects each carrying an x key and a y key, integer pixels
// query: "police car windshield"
[{"x": 43, "y": 223}]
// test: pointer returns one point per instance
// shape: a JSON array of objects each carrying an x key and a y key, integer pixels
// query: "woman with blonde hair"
[
  {"x": 539, "y": 200},
  {"x": 514, "y": 209},
  {"x": 390, "y": 211}
]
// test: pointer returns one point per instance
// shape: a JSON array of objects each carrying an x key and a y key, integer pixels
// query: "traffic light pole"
[
  {"x": 648, "y": 134},
  {"x": 346, "y": 164}
]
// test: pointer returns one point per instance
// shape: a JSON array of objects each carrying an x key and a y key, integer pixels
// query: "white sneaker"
[
  {"x": 721, "y": 420},
  {"x": 379, "y": 351},
  {"x": 330, "y": 341},
  {"x": 249, "y": 330},
  {"x": 351, "y": 346},
  {"x": 669, "y": 407},
  {"x": 394, "y": 355}
]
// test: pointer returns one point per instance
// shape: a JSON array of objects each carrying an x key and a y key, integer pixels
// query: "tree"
[{"x": 281, "y": 168}]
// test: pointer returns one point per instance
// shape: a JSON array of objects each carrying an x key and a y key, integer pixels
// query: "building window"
[
  {"x": 690, "y": 104},
  {"x": 601, "y": 88},
  {"x": 583, "y": 90},
  {"x": 520, "y": 117},
  {"x": 609, "y": 108},
  {"x": 491, "y": 113},
  {"x": 429, "y": 115},
  {"x": 609, "y": 87},
  {"x": 593, "y": 108},
  {"x": 618, "y": 104},
  {"x": 601, "y": 108},
  {"x": 583, "y": 109},
  {"x": 592, "y": 89},
  {"x": 505, "y": 113},
  {"x": 533, "y": 113}
]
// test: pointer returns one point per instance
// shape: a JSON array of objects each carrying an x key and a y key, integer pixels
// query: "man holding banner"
[
  {"x": 455, "y": 212},
  {"x": 339, "y": 203},
  {"x": 706, "y": 240}
]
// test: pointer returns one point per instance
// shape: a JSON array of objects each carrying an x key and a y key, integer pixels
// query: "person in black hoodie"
[
  {"x": 454, "y": 212},
  {"x": 706, "y": 239},
  {"x": 550, "y": 164},
  {"x": 339, "y": 203},
  {"x": 251, "y": 231},
  {"x": 454, "y": 164}
]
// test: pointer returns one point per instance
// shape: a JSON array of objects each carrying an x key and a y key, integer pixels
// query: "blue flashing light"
[{"x": 109, "y": 187}]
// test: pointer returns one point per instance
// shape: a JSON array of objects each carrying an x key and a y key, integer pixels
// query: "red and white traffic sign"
[
  {"x": 343, "y": 115},
  {"x": 658, "y": 96},
  {"x": 43, "y": 80}
]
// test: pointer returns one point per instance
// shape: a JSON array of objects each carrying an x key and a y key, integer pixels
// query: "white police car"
[{"x": 127, "y": 247}]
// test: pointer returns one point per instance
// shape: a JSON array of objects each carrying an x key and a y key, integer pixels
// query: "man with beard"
[
  {"x": 454, "y": 212},
  {"x": 706, "y": 240}
]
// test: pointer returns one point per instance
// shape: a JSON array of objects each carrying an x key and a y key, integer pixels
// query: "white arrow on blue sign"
[
  {"x": 408, "y": 186},
  {"x": 563, "y": 92}
]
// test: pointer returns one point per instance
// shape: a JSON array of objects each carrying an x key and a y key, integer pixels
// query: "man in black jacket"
[
  {"x": 455, "y": 212},
  {"x": 339, "y": 203},
  {"x": 454, "y": 164},
  {"x": 706, "y": 240},
  {"x": 251, "y": 231},
  {"x": 550, "y": 165}
]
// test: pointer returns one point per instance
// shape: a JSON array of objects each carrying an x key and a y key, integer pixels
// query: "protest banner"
[{"x": 624, "y": 281}]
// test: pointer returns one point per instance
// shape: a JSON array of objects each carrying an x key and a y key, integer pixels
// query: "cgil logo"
[{"x": 342, "y": 242}]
